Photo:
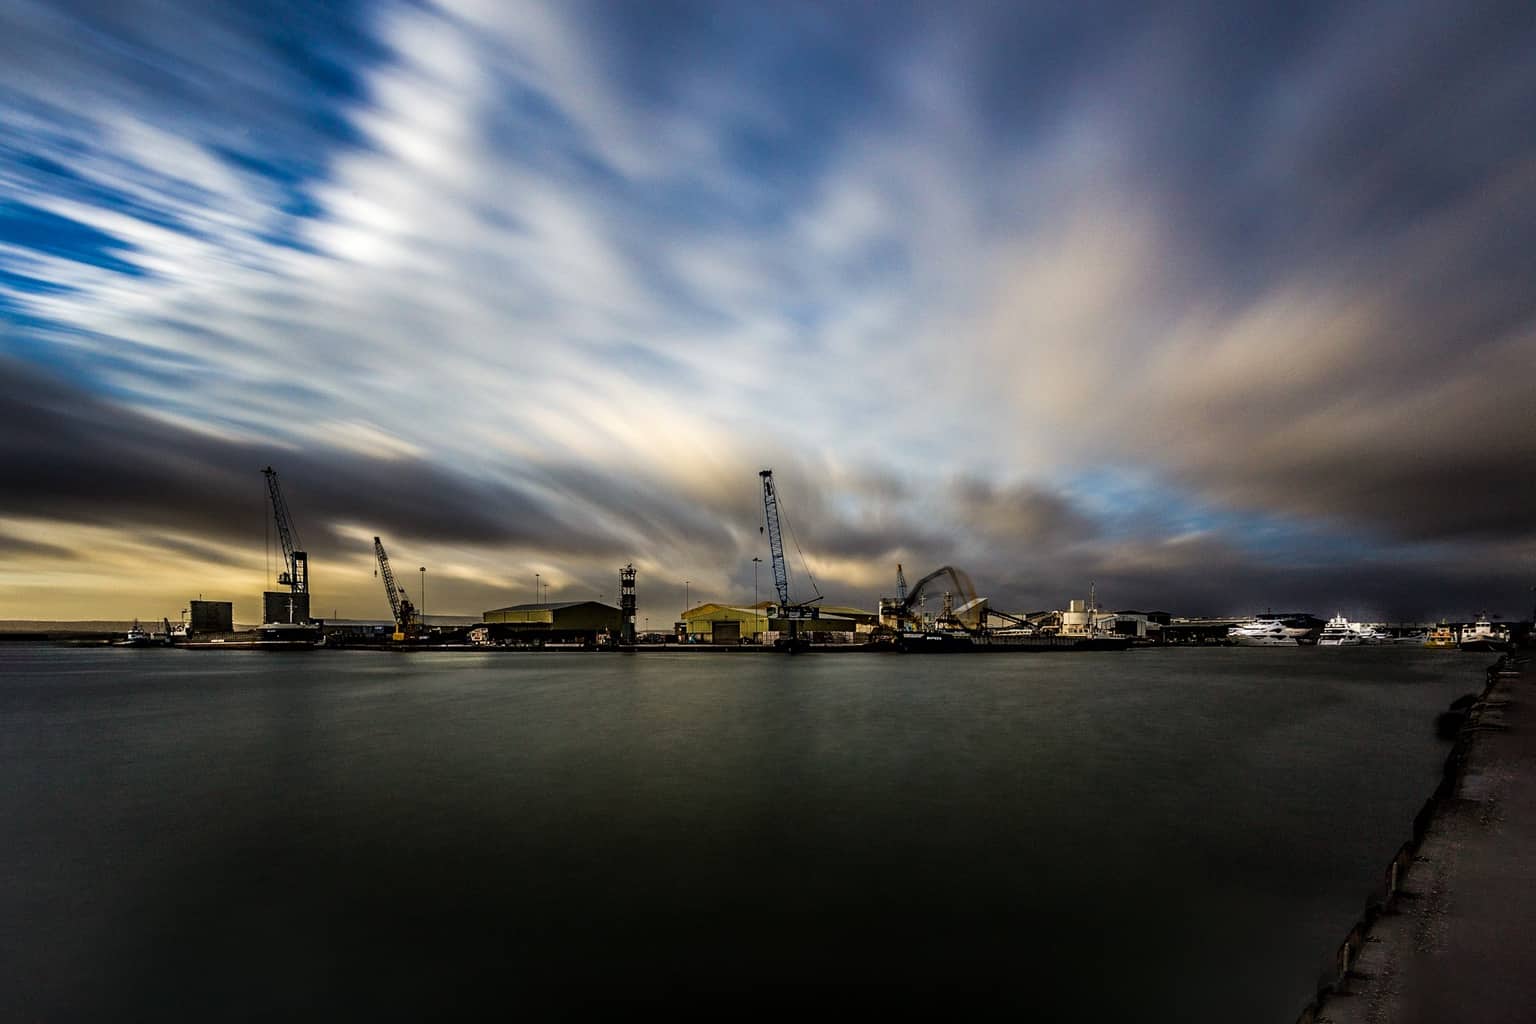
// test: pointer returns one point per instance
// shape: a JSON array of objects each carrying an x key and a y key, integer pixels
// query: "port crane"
[
  {"x": 399, "y": 604},
  {"x": 969, "y": 615},
  {"x": 789, "y": 610},
  {"x": 295, "y": 574}
]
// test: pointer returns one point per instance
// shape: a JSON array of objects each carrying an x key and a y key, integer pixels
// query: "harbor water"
[{"x": 1165, "y": 834}]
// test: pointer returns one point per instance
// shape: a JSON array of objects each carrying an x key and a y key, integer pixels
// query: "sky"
[{"x": 1217, "y": 307}]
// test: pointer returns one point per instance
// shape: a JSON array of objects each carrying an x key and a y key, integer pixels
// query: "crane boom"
[
  {"x": 775, "y": 537},
  {"x": 901, "y": 584},
  {"x": 787, "y": 609},
  {"x": 398, "y": 605},
  {"x": 295, "y": 575}
]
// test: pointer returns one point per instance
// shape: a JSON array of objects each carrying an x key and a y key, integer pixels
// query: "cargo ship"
[{"x": 271, "y": 636}]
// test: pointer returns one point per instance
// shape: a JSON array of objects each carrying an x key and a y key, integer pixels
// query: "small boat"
[
  {"x": 137, "y": 636},
  {"x": 1339, "y": 633}
]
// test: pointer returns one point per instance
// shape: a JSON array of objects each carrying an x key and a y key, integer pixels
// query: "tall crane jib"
[
  {"x": 292, "y": 604},
  {"x": 775, "y": 537},
  {"x": 295, "y": 574},
  {"x": 787, "y": 609},
  {"x": 399, "y": 604}
]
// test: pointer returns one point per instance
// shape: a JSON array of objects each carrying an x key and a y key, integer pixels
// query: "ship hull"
[
  {"x": 286, "y": 638},
  {"x": 1484, "y": 646},
  {"x": 938, "y": 643}
]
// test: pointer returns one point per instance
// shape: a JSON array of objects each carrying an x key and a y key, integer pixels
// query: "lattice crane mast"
[
  {"x": 788, "y": 609},
  {"x": 404, "y": 611},
  {"x": 295, "y": 574}
]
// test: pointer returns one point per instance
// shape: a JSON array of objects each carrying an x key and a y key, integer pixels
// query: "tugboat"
[
  {"x": 1441, "y": 638},
  {"x": 137, "y": 636},
  {"x": 1483, "y": 635}
]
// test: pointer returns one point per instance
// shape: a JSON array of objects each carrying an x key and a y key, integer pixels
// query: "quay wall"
[{"x": 1403, "y": 959}]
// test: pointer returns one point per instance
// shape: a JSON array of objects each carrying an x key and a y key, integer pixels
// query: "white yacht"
[
  {"x": 1263, "y": 632},
  {"x": 1372, "y": 633},
  {"x": 1339, "y": 632}
]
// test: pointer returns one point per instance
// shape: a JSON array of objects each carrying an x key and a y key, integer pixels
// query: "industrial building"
[
  {"x": 212, "y": 617},
  {"x": 712, "y": 623},
  {"x": 558, "y": 622}
]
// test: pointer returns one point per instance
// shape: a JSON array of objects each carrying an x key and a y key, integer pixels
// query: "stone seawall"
[{"x": 1449, "y": 934}]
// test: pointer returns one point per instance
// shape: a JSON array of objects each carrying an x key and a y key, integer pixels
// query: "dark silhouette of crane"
[
  {"x": 293, "y": 607},
  {"x": 399, "y": 604},
  {"x": 295, "y": 574}
]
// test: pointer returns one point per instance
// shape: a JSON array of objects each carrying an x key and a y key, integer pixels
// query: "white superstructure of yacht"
[
  {"x": 1263, "y": 632},
  {"x": 1371, "y": 633},
  {"x": 1339, "y": 633}
]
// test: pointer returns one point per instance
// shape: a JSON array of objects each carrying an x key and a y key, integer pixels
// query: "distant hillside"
[
  {"x": 76, "y": 626},
  {"x": 107, "y": 627}
]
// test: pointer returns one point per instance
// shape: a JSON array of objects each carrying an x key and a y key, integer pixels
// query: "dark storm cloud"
[
  {"x": 1019, "y": 515},
  {"x": 14, "y": 547},
  {"x": 74, "y": 457},
  {"x": 1333, "y": 318},
  {"x": 1385, "y": 590},
  {"x": 1212, "y": 576}
]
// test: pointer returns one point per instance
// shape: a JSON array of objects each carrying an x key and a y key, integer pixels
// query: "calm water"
[{"x": 1155, "y": 835}]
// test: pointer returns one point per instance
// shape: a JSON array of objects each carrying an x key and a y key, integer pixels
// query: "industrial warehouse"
[{"x": 565, "y": 622}]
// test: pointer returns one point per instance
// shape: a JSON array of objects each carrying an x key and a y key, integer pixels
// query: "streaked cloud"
[{"x": 539, "y": 287}]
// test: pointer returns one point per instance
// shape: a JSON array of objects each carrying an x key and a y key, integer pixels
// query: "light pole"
[
  {"x": 757, "y": 563},
  {"x": 535, "y": 590},
  {"x": 687, "y": 633},
  {"x": 423, "y": 597}
]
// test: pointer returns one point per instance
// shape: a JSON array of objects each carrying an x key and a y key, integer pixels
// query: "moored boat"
[
  {"x": 137, "y": 636},
  {"x": 296, "y": 635},
  {"x": 1264, "y": 632},
  {"x": 1442, "y": 637},
  {"x": 1339, "y": 633},
  {"x": 1483, "y": 635}
]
